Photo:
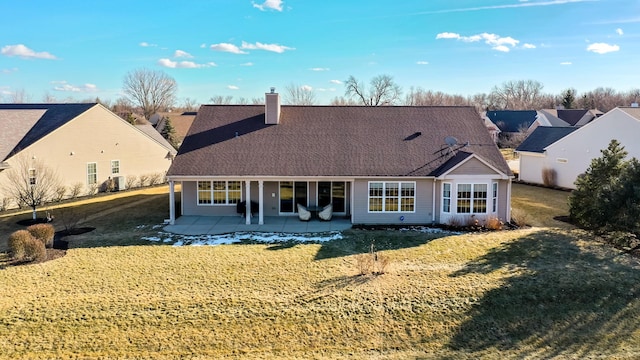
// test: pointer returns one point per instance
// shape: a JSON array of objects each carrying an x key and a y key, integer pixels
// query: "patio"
[{"x": 201, "y": 225}]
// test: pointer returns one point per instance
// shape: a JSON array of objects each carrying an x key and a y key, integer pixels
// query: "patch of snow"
[{"x": 151, "y": 238}]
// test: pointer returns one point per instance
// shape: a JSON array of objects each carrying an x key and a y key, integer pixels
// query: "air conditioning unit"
[{"x": 120, "y": 183}]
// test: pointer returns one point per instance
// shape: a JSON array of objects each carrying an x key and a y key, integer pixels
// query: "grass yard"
[{"x": 549, "y": 291}]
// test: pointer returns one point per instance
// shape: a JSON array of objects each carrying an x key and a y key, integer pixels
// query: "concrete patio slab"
[{"x": 215, "y": 225}]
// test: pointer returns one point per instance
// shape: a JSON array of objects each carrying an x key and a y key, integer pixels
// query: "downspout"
[
  {"x": 433, "y": 211},
  {"x": 508, "y": 220}
]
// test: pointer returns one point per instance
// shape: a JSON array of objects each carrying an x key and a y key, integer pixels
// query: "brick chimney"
[{"x": 272, "y": 107}]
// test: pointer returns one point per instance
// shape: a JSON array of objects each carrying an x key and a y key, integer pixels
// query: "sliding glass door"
[
  {"x": 292, "y": 193},
  {"x": 332, "y": 193}
]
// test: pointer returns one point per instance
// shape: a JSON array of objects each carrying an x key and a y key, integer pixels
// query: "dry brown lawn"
[{"x": 548, "y": 291}]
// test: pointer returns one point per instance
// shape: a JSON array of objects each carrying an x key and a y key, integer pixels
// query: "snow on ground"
[
  {"x": 233, "y": 238},
  {"x": 262, "y": 237}
]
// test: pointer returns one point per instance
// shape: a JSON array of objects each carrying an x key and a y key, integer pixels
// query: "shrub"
[
  {"x": 519, "y": 217},
  {"x": 494, "y": 223},
  {"x": 549, "y": 177},
  {"x": 59, "y": 193},
  {"x": 43, "y": 232},
  {"x": 143, "y": 180},
  {"x": 4, "y": 203},
  {"x": 364, "y": 264},
  {"x": 155, "y": 179},
  {"x": 381, "y": 263},
  {"x": 371, "y": 262},
  {"x": 34, "y": 250},
  {"x": 92, "y": 189},
  {"x": 131, "y": 181},
  {"x": 75, "y": 190},
  {"x": 17, "y": 243}
]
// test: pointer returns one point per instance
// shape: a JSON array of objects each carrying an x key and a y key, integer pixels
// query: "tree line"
[{"x": 149, "y": 91}]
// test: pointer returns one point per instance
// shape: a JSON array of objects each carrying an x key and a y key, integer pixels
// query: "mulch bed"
[{"x": 60, "y": 246}]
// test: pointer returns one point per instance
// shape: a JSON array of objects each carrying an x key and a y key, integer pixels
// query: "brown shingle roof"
[{"x": 233, "y": 140}]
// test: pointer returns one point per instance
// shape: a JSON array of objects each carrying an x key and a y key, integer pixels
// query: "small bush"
[
  {"x": 371, "y": 262},
  {"x": 519, "y": 217},
  {"x": 17, "y": 243},
  {"x": 549, "y": 177},
  {"x": 143, "y": 180},
  {"x": 155, "y": 179},
  {"x": 381, "y": 264},
  {"x": 34, "y": 250},
  {"x": 59, "y": 193},
  {"x": 131, "y": 181},
  {"x": 4, "y": 204},
  {"x": 494, "y": 223},
  {"x": 92, "y": 189},
  {"x": 75, "y": 190},
  {"x": 44, "y": 233},
  {"x": 364, "y": 264}
]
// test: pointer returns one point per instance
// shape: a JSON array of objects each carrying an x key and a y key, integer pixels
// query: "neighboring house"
[
  {"x": 568, "y": 151},
  {"x": 570, "y": 117},
  {"x": 86, "y": 144},
  {"x": 511, "y": 122},
  {"x": 181, "y": 122},
  {"x": 375, "y": 165},
  {"x": 492, "y": 128}
]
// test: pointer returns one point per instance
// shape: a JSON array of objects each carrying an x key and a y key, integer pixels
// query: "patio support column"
[
  {"x": 260, "y": 202},
  {"x": 247, "y": 209},
  {"x": 351, "y": 197},
  {"x": 172, "y": 203}
]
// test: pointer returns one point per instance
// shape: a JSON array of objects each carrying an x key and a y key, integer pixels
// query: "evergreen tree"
[
  {"x": 568, "y": 98},
  {"x": 169, "y": 132},
  {"x": 593, "y": 205}
]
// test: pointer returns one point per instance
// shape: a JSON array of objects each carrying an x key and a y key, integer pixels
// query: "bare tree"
[
  {"x": 242, "y": 101},
  {"x": 48, "y": 98},
  {"x": 221, "y": 99},
  {"x": 299, "y": 95},
  {"x": 257, "y": 101},
  {"x": 189, "y": 104},
  {"x": 151, "y": 90},
  {"x": 342, "y": 101},
  {"x": 20, "y": 96},
  {"x": 517, "y": 95},
  {"x": 421, "y": 97},
  {"x": 382, "y": 91},
  {"x": 31, "y": 182}
]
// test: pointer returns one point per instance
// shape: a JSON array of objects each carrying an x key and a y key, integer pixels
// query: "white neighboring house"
[{"x": 569, "y": 151}]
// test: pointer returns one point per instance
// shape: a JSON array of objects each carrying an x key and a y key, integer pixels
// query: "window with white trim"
[
  {"x": 92, "y": 173},
  {"x": 32, "y": 176},
  {"x": 468, "y": 198},
  {"x": 446, "y": 197},
  {"x": 219, "y": 192},
  {"x": 392, "y": 196},
  {"x": 115, "y": 167},
  {"x": 494, "y": 197}
]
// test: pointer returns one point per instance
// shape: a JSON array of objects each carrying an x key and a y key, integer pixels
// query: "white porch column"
[
  {"x": 172, "y": 203},
  {"x": 261, "y": 202},
  {"x": 351, "y": 197},
  {"x": 247, "y": 197}
]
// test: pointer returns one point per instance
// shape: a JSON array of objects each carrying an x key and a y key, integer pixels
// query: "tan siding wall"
[
  {"x": 422, "y": 215},
  {"x": 97, "y": 136},
  {"x": 472, "y": 167}
]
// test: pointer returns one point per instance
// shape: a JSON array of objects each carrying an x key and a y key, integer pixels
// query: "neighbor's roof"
[
  {"x": 21, "y": 125},
  {"x": 512, "y": 120},
  {"x": 633, "y": 111},
  {"x": 155, "y": 135},
  {"x": 544, "y": 136},
  {"x": 233, "y": 140}
]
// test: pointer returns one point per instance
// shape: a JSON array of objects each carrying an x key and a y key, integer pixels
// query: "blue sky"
[{"x": 83, "y": 49}]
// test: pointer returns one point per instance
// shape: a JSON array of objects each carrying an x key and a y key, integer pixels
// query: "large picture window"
[
  {"x": 469, "y": 198},
  {"x": 219, "y": 192},
  {"x": 392, "y": 196}
]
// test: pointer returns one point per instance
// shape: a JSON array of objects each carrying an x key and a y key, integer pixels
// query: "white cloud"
[
  {"x": 146, "y": 44},
  {"x": 269, "y": 4},
  {"x": 602, "y": 48},
  {"x": 183, "y": 54},
  {"x": 202, "y": 46},
  {"x": 337, "y": 82},
  {"x": 268, "y": 47},
  {"x": 422, "y": 62},
  {"x": 9, "y": 71},
  {"x": 64, "y": 86},
  {"x": 319, "y": 69},
  {"x": 528, "y": 46},
  {"x": 306, "y": 88},
  {"x": 232, "y": 87},
  {"x": 247, "y": 64},
  {"x": 226, "y": 47},
  {"x": 508, "y": 6},
  {"x": 24, "y": 52},
  {"x": 496, "y": 42},
  {"x": 168, "y": 63},
  {"x": 619, "y": 31},
  {"x": 566, "y": 63}
]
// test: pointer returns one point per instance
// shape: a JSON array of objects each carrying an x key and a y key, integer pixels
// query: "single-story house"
[
  {"x": 567, "y": 152},
  {"x": 181, "y": 122},
  {"x": 374, "y": 165},
  {"x": 568, "y": 117},
  {"x": 85, "y": 144}
]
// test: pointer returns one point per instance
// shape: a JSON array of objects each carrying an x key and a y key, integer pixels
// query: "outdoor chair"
[
  {"x": 326, "y": 213},
  {"x": 303, "y": 213}
]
